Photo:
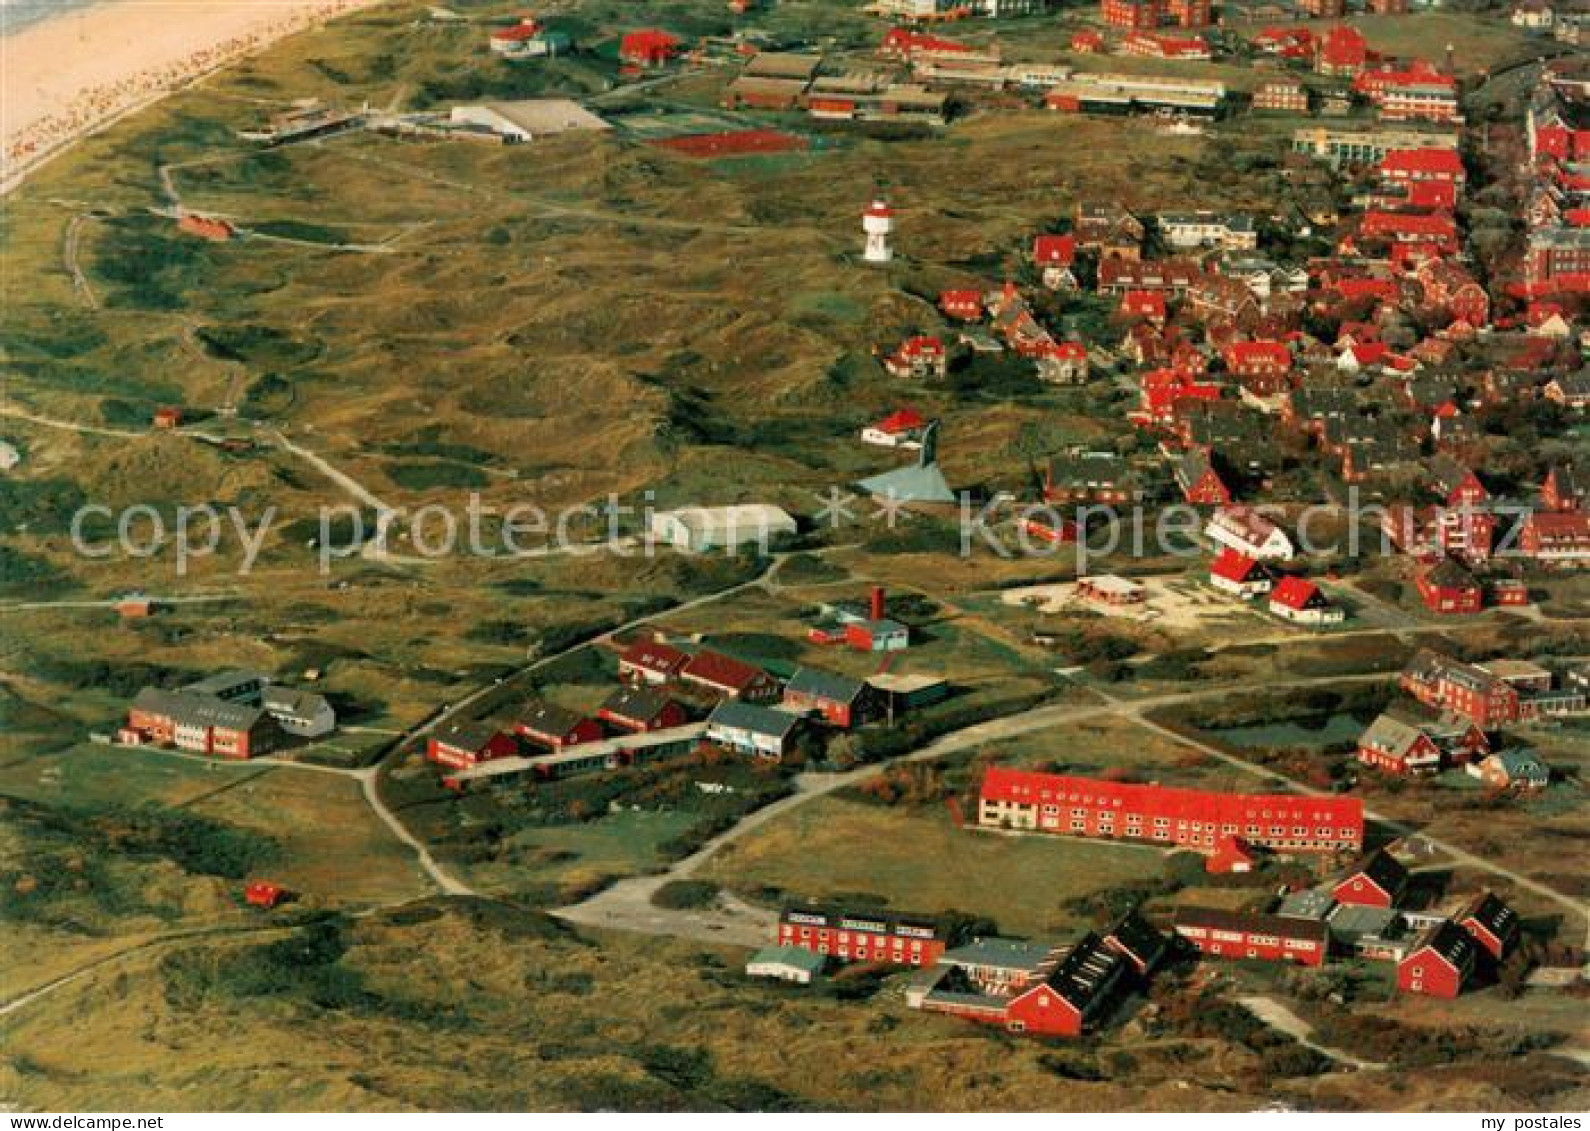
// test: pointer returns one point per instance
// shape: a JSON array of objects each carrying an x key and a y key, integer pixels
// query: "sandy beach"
[{"x": 75, "y": 72}]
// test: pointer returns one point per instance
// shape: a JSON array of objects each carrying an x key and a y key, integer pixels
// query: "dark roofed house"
[
  {"x": 1139, "y": 942},
  {"x": 200, "y": 722},
  {"x": 1439, "y": 963},
  {"x": 461, "y": 745},
  {"x": 641, "y": 709},
  {"x": 1089, "y": 477},
  {"x": 1564, "y": 489},
  {"x": 1242, "y": 934},
  {"x": 1398, "y": 747},
  {"x": 763, "y": 732},
  {"x": 1379, "y": 881},
  {"x": 836, "y": 699},
  {"x": 1493, "y": 924},
  {"x": 556, "y": 727},
  {"x": 1200, "y": 483}
]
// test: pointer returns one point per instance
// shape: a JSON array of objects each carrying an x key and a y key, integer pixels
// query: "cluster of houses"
[
  {"x": 1458, "y": 706},
  {"x": 231, "y": 714},
  {"x": 1049, "y": 988},
  {"x": 670, "y": 700},
  {"x": 1557, "y": 205},
  {"x": 1365, "y": 914}
]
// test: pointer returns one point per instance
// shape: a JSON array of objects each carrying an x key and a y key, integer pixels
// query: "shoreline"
[{"x": 71, "y": 75}]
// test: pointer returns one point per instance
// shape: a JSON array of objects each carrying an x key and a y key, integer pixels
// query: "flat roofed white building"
[{"x": 722, "y": 528}]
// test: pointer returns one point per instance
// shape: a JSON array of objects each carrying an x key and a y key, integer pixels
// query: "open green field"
[{"x": 918, "y": 861}]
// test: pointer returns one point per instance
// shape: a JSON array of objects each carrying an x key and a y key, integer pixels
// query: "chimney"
[{"x": 877, "y": 602}]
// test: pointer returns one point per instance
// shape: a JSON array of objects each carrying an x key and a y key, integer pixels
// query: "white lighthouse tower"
[{"x": 878, "y": 221}]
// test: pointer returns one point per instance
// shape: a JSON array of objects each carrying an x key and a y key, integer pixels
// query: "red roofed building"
[
  {"x": 648, "y": 661},
  {"x": 966, "y": 305},
  {"x": 1343, "y": 52},
  {"x": 1087, "y": 42},
  {"x": 1416, "y": 93},
  {"x": 1055, "y": 256},
  {"x": 1232, "y": 571},
  {"x": 216, "y": 231},
  {"x": 1187, "y": 818},
  {"x": 1166, "y": 392},
  {"x": 1436, "y": 229},
  {"x": 902, "y": 428},
  {"x": 1144, "y": 304},
  {"x": 724, "y": 675},
  {"x": 264, "y": 894},
  {"x": 506, "y": 40},
  {"x": 1410, "y": 166},
  {"x": 648, "y": 47},
  {"x": 1299, "y": 600},
  {"x": 905, "y": 44},
  {"x": 919, "y": 358},
  {"x": 1262, "y": 367},
  {"x": 1148, "y": 45}
]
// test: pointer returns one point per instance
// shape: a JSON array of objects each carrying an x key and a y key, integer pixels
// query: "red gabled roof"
[
  {"x": 528, "y": 29},
  {"x": 1234, "y": 565},
  {"x": 1294, "y": 592},
  {"x": 1435, "y": 225},
  {"x": 1430, "y": 162},
  {"x": 902, "y": 420},
  {"x": 1242, "y": 354},
  {"x": 922, "y": 345},
  {"x": 722, "y": 671},
  {"x": 907, "y": 42},
  {"x": 654, "y": 655},
  {"x": 1344, "y": 46},
  {"x": 1054, "y": 251}
]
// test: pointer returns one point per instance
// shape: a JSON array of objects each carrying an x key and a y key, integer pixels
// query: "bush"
[{"x": 683, "y": 894}]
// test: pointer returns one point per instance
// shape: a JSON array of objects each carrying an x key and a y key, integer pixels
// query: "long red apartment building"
[
  {"x": 864, "y": 936},
  {"x": 1196, "y": 819}
]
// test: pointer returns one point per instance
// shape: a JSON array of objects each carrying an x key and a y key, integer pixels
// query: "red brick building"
[
  {"x": 1190, "y": 13},
  {"x": 1448, "y": 589},
  {"x": 467, "y": 744},
  {"x": 1561, "y": 538},
  {"x": 1491, "y": 923},
  {"x": 724, "y": 675},
  {"x": 650, "y": 661},
  {"x": 834, "y": 699},
  {"x": 1440, "y": 963},
  {"x": 648, "y": 47},
  {"x": 1451, "y": 685},
  {"x": 1239, "y": 934},
  {"x": 640, "y": 709},
  {"x": 1132, "y": 15},
  {"x": 1380, "y": 881},
  {"x": 1188, "y": 818},
  {"x": 864, "y": 935}
]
